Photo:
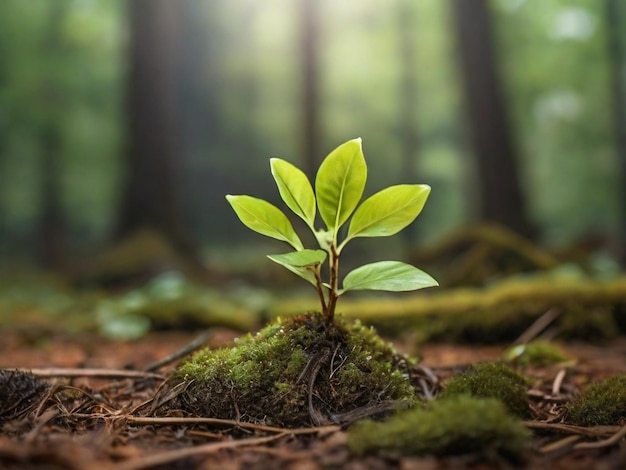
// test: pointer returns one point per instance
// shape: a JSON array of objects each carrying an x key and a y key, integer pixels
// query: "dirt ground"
[{"x": 95, "y": 418}]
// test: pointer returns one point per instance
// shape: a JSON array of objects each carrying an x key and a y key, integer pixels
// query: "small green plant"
[{"x": 339, "y": 186}]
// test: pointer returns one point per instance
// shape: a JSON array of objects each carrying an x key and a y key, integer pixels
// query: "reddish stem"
[{"x": 334, "y": 282}]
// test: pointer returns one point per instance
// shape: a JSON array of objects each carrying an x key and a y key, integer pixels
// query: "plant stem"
[
  {"x": 320, "y": 290},
  {"x": 334, "y": 283}
]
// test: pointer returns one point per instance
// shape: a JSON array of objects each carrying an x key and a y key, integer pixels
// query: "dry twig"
[
  {"x": 182, "y": 352},
  {"x": 96, "y": 373},
  {"x": 168, "y": 457}
]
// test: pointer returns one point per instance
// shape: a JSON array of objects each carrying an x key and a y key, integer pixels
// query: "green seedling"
[{"x": 339, "y": 186}]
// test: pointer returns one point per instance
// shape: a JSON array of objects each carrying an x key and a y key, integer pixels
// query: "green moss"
[
  {"x": 536, "y": 353},
  {"x": 453, "y": 426},
  {"x": 601, "y": 403},
  {"x": 270, "y": 376},
  {"x": 491, "y": 380}
]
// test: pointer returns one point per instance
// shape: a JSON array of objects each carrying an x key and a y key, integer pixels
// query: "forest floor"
[{"x": 95, "y": 418}]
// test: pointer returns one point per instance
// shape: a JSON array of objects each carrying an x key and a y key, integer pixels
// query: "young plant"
[{"x": 339, "y": 185}]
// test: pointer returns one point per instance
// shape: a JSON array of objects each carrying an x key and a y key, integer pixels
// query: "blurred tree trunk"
[
  {"x": 52, "y": 226},
  {"x": 250, "y": 89},
  {"x": 616, "y": 22},
  {"x": 52, "y": 229},
  {"x": 409, "y": 139},
  {"x": 501, "y": 199},
  {"x": 149, "y": 199},
  {"x": 4, "y": 229},
  {"x": 309, "y": 51},
  {"x": 200, "y": 124}
]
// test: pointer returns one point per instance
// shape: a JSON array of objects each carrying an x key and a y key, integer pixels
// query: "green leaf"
[
  {"x": 324, "y": 239},
  {"x": 339, "y": 183},
  {"x": 300, "y": 259},
  {"x": 301, "y": 262},
  {"x": 264, "y": 218},
  {"x": 295, "y": 189},
  {"x": 388, "y": 211},
  {"x": 387, "y": 275}
]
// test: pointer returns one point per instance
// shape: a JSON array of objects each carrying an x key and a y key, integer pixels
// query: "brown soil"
[{"x": 94, "y": 418}]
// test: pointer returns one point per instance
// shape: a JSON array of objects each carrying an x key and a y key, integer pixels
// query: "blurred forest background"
[{"x": 121, "y": 115}]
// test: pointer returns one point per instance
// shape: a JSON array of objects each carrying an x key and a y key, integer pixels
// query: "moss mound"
[
  {"x": 452, "y": 426},
  {"x": 536, "y": 353},
  {"x": 602, "y": 403},
  {"x": 296, "y": 372},
  {"x": 492, "y": 380}
]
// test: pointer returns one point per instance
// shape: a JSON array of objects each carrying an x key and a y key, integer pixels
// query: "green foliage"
[
  {"x": 386, "y": 275},
  {"x": 601, "y": 403},
  {"x": 491, "y": 380},
  {"x": 454, "y": 426},
  {"x": 339, "y": 185},
  {"x": 386, "y": 212},
  {"x": 295, "y": 189},
  {"x": 301, "y": 262},
  {"x": 264, "y": 218}
]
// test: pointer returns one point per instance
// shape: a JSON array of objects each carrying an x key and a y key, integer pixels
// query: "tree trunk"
[
  {"x": 309, "y": 46},
  {"x": 150, "y": 192},
  {"x": 408, "y": 98},
  {"x": 200, "y": 130},
  {"x": 52, "y": 229},
  {"x": 52, "y": 225},
  {"x": 500, "y": 193},
  {"x": 616, "y": 16}
]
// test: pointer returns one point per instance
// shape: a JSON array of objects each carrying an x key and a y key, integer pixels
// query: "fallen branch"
[
  {"x": 167, "y": 457},
  {"x": 167, "y": 421},
  {"x": 182, "y": 352},
  {"x": 97, "y": 373},
  {"x": 595, "y": 431},
  {"x": 614, "y": 439}
]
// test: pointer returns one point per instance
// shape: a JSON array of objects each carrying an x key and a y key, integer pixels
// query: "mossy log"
[{"x": 499, "y": 313}]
